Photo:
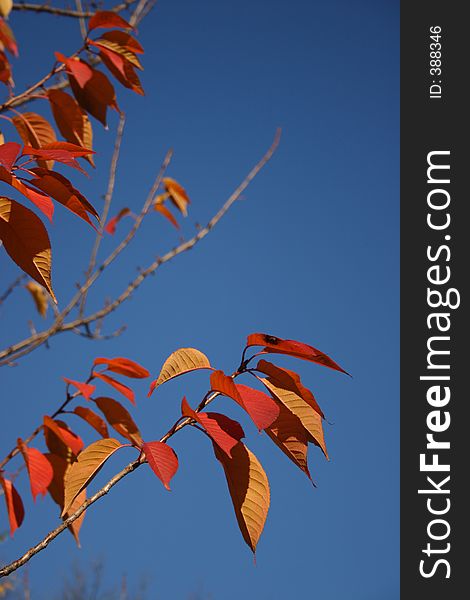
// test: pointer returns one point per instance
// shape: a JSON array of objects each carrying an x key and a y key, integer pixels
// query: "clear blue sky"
[{"x": 311, "y": 253}]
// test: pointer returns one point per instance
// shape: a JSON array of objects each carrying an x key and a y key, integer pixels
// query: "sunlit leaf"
[
  {"x": 85, "y": 389},
  {"x": 39, "y": 296},
  {"x": 162, "y": 460},
  {"x": 107, "y": 19},
  {"x": 65, "y": 435},
  {"x": 14, "y": 504},
  {"x": 88, "y": 464},
  {"x": 177, "y": 194},
  {"x": 249, "y": 489},
  {"x": 39, "y": 469},
  {"x": 119, "y": 419},
  {"x": 180, "y": 362},
  {"x": 117, "y": 385}
]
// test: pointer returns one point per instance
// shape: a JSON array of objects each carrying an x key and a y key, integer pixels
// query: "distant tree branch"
[
  {"x": 66, "y": 12},
  {"x": 12, "y": 287},
  {"x": 24, "y": 347}
]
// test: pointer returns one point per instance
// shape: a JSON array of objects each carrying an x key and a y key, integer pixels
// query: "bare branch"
[
  {"x": 26, "y": 346},
  {"x": 65, "y": 12},
  {"x": 12, "y": 287},
  {"x": 107, "y": 203}
]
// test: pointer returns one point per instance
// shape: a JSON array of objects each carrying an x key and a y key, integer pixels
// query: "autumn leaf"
[
  {"x": 289, "y": 380},
  {"x": 76, "y": 68},
  {"x": 71, "y": 120},
  {"x": 89, "y": 415},
  {"x": 96, "y": 95},
  {"x": 87, "y": 466},
  {"x": 308, "y": 416},
  {"x": 8, "y": 154},
  {"x": 117, "y": 385},
  {"x": 7, "y": 38},
  {"x": 106, "y": 19},
  {"x": 26, "y": 241},
  {"x": 75, "y": 527},
  {"x": 14, "y": 504},
  {"x": 177, "y": 195},
  {"x": 59, "y": 187},
  {"x": 39, "y": 296},
  {"x": 249, "y": 489},
  {"x": 5, "y": 69},
  {"x": 277, "y": 345},
  {"x": 163, "y": 210},
  {"x": 122, "y": 70},
  {"x": 123, "y": 366},
  {"x": 64, "y": 434},
  {"x": 112, "y": 223},
  {"x": 225, "y": 432},
  {"x": 39, "y": 199},
  {"x": 63, "y": 152},
  {"x": 162, "y": 460},
  {"x": 178, "y": 363},
  {"x": 261, "y": 407},
  {"x": 119, "y": 419},
  {"x": 123, "y": 39},
  {"x": 288, "y": 433},
  {"x": 35, "y": 131},
  {"x": 85, "y": 389},
  {"x": 39, "y": 469}
]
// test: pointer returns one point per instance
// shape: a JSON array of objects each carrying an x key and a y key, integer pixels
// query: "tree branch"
[
  {"x": 11, "y": 287},
  {"x": 24, "y": 347},
  {"x": 66, "y": 12}
]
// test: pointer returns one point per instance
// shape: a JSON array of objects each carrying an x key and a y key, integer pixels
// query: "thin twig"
[
  {"x": 65, "y": 12},
  {"x": 25, "y": 346},
  {"x": 107, "y": 204},
  {"x": 12, "y": 287}
]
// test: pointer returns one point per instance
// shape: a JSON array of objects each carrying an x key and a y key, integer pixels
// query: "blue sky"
[{"x": 310, "y": 253}]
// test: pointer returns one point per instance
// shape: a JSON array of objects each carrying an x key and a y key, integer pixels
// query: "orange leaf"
[
  {"x": 123, "y": 366},
  {"x": 26, "y": 241},
  {"x": 288, "y": 433},
  {"x": 75, "y": 527},
  {"x": 177, "y": 195},
  {"x": 277, "y": 345},
  {"x": 124, "y": 39},
  {"x": 105, "y": 19},
  {"x": 43, "y": 202},
  {"x": 65, "y": 435},
  {"x": 261, "y": 407},
  {"x": 7, "y": 38},
  {"x": 178, "y": 363},
  {"x": 39, "y": 469},
  {"x": 119, "y": 419},
  {"x": 289, "y": 380},
  {"x": 162, "y": 460},
  {"x": 309, "y": 417},
  {"x": 39, "y": 296},
  {"x": 117, "y": 385},
  {"x": 92, "y": 419},
  {"x": 163, "y": 210},
  {"x": 225, "y": 432},
  {"x": 35, "y": 131},
  {"x": 88, "y": 464},
  {"x": 85, "y": 389},
  {"x": 14, "y": 504},
  {"x": 249, "y": 489}
]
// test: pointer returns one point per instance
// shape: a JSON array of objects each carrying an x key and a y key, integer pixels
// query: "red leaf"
[
  {"x": 289, "y": 380},
  {"x": 8, "y": 154},
  {"x": 5, "y": 70},
  {"x": 85, "y": 389},
  {"x": 162, "y": 460},
  {"x": 62, "y": 152},
  {"x": 117, "y": 385},
  {"x": 92, "y": 419},
  {"x": 14, "y": 504},
  {"x": 111, "y": 224},
  {"x": 123, "y": 366},
  {"x": 105, "y": 19},
  {"x": 70, "y": 439},
  {"x": 39, "y": 469},
  {"x": 77, "y": 68},
  {"x": 120, "y": 419},
  {"x": 59, "y": 187},
  {"x": 43, "y": 202},
  {"x": 261, "y": 408},
  {"x": 95, "y": 97},
  {"x": 225, "y": 432},
  {"x": 277, "y": 345},
  {"x": 122, "y": 70}
]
